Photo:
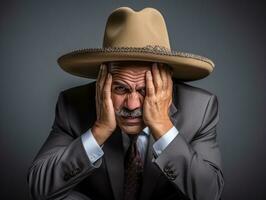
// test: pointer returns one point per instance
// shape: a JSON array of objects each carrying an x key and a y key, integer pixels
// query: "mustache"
[{"x": 124, "y": 112}]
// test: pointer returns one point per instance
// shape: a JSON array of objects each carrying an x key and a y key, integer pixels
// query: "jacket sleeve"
[
  {"x": 195, "y": 167},
  {"x": 62, "y": 161}
]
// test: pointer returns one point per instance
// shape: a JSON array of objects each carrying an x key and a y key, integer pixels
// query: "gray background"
[{"x": 35, "y": 33}]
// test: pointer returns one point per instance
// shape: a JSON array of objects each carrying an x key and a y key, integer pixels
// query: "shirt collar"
[{"x": 146, "y": 130}]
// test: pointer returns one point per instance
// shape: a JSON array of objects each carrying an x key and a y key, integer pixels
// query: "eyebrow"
[
  {"x": 120, "y": 83},
  {"x": 117, "y": 82}
]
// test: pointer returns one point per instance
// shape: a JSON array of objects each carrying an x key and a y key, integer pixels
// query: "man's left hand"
[{"x": 158, "y": 100}]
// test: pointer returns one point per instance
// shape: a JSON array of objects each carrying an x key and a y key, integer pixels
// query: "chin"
[
  {"x": 132, "y": 130},
  {"x": 130, "y": 126}
]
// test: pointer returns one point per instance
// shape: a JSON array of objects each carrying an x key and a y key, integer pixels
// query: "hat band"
[{"x": 153, "y": 49}]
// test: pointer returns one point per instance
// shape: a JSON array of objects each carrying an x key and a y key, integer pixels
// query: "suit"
[{"x": 189, "y": 168}]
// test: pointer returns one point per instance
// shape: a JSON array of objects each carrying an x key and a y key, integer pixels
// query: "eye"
[
  {"x": 142, "y": 91},
  {"x": 120, "y": 89}
]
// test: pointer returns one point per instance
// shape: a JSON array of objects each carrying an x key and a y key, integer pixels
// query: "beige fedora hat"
[{"x": 136, "y": 36}]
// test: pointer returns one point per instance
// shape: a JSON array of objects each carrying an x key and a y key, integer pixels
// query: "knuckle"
[
  {"x": 156, "y": 85},
  {"x": 152, "y": 100},
  {"x": 105, "y": 95},
  {"x": 149, "y": 88},
  {"x": 150, "y": 93}
]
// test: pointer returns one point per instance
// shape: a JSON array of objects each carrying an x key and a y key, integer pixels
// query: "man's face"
[{"x": 128, "y": 93}]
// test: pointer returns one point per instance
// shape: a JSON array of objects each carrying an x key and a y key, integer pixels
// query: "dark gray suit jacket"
[{"x": 189, "y": 168}]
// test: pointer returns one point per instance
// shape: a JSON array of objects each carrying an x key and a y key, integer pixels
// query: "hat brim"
[{"x": 86, "y": 62}]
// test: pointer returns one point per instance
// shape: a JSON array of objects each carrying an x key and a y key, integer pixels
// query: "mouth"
[{"x": 131, "y": 121}]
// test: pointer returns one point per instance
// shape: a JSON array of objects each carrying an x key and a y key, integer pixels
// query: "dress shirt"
[{"x": 94, "y": 151}]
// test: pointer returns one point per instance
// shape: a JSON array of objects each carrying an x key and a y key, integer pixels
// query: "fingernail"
[{"x": 149, "y": 74}]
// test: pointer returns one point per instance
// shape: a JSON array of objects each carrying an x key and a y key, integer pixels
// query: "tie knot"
[{"x": 133, "y": 138}]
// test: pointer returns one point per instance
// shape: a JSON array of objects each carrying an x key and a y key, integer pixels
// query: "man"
[{"x": 139, "y": 132}]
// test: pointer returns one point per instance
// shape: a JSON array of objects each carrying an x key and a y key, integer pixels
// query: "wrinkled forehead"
[
  {"x": 133, "y": 66},
  {"x": 130, "y": 72}
]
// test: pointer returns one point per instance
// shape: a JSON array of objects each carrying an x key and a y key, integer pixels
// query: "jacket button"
[
  {"x": 75, "y": 172},
  {"x": 172, "y": 177},
  {"x": 166, "y": 169},
  {"x": 169, "y": 173}
]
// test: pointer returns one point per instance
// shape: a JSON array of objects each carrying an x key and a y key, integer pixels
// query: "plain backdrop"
[{"x": 35, "y": 33}]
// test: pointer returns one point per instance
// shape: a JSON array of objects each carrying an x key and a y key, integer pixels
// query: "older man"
[{"x": 139, "y": 132}]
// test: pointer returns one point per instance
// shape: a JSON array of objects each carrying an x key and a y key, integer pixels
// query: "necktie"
[{"x": 133, "y": 170}]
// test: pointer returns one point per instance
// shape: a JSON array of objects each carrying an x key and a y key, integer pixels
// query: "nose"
[{"x": 132, "y": 101}]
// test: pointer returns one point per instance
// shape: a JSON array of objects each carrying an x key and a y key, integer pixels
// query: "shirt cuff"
[
  {"x": 164, "y": 141},
  {"x": 92, "y": 148}
]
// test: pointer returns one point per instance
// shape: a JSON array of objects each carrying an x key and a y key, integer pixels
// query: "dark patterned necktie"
[{"x": 133, "y": 170}]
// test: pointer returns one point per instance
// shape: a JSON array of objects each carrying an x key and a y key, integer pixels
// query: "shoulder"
[
  {"x": 187, "y": 89},
  {"x": 190, "y": 99},
  {"x": 78, "y": 104},
  {"x": 80, "y": 90},
  {"x": 79, "y": 97},
  {"x": 185, "y": 93}
]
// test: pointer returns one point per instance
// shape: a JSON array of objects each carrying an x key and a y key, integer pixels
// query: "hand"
[
  {"x": 158, "y": 100},
  {"x": 105, "y": 123}
]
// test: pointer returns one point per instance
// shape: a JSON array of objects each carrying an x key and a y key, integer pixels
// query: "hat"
[{"x": 136, "y": 36}]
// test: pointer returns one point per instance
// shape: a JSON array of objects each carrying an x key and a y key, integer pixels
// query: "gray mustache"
[{"x": 124, "y": 112}]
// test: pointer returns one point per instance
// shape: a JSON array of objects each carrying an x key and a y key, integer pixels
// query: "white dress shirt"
[{"x": 94, "y": 151}]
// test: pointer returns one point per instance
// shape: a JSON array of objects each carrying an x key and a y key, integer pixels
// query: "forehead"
[
  {"x": 134, "y": 66},
  {"x": 129, "y": 72}
]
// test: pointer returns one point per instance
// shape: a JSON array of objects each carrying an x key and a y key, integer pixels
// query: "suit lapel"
[{"x": 113, "y": 155}]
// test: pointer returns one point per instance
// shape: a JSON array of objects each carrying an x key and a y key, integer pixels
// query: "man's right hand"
[{"x": 105, "y": 123}]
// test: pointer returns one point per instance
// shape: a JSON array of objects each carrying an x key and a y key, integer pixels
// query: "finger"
[
  {"x": 98, "y": 85},
  {"x": 102, "y": 80},
  {"x": 170, "y": 84},
  {"x": 107, "y": 87},
  {"x": 157, "y": 81},
  {"x": 100, "y": 76},
  {"x": 98, "y": 91},
  {"x": 163, "y": 73},
  {"x": 149, "y": 84},
  {"x": 104, "y": 73},
  {"x": 98, "y": 80},
  {"x": 100, "y": 72}
]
